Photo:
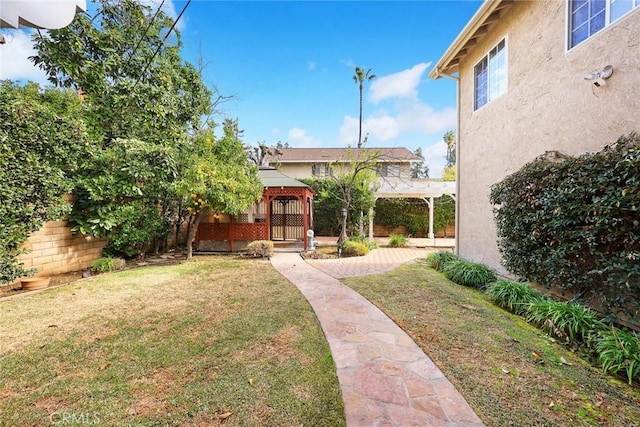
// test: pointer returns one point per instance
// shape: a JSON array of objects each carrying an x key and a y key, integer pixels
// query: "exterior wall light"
[{"x": 598, "y": 77}]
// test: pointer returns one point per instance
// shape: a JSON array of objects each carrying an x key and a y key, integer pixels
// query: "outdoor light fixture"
[
  {"x": 343, "y": 211},
  {"x": 598, "y": 77}
]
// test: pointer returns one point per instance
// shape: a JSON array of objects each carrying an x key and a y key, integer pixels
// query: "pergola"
[{"x": 424, "y": 189}]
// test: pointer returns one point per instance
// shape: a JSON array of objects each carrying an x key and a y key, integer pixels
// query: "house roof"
[
  {"x": 490, "y": 11},
  {"x": 271, "y": 177},
  {"x": 325, "y": 155}
]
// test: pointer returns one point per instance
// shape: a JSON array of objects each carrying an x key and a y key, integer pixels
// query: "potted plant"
[{"x": 34, "y": 283}]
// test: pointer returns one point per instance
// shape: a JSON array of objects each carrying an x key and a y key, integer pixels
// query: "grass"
[
  {"x": 509, "y": 371},
  {"x": 218, "y": 341}
]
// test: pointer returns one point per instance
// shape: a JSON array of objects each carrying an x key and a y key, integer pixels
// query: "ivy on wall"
[
  {"x": 573, "y": 224},
  {"x": 42, "y": 140}
]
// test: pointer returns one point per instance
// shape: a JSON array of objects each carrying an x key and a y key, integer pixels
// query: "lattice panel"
[
  {"x": 250, "y": 232},
  {"x": 213, "y": 231}
]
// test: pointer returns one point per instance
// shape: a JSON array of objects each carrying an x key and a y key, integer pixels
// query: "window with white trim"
[
  {"x": 490, "y": 76},
  {"x": 388, "y": 170},
  {"x": 587, "y": 17}
]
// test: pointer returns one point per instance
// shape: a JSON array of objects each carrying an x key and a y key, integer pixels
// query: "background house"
[
  {"x": 393, "y": 169},
  {"x": 535, "y": 76},
  {"x": 317, "y": 162}
]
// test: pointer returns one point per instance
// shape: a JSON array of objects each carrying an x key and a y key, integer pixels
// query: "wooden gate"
[{"x": 287, "y": 215}]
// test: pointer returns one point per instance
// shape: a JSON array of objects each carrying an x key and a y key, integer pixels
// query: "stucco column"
[
  {"x": 431, "y": 235},
  {"x": 370, "y": 223}
]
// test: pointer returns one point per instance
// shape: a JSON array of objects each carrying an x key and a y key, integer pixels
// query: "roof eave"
[{"x": 448, "y": 63}]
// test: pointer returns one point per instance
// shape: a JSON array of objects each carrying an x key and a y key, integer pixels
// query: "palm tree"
[
  {"x": 360, "y": 77},
  {"x": 450, "y": 139}
]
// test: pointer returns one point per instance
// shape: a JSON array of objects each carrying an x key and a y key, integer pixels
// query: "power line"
[
  {"x": 161, "y": 43},
  {"x": 144, "y": 35}
]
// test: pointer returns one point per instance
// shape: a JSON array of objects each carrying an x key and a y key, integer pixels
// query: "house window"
[
  {"x": 321, "y": 170},
  {"x": 490, "y": 76},
  {"x": 388, "y": 170},
  {"x": 587, "y": 17}
]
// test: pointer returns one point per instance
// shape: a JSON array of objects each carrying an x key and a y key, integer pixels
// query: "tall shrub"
[
  {"x": 573, "y": 223},
  {"x": 414, "y": 213},
  {"x": 41, "y": 140}
]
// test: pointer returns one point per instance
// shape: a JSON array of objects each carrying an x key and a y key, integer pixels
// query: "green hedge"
[
  {"x": 573, "y": 223},
  {"x": 414, "y": 214}
]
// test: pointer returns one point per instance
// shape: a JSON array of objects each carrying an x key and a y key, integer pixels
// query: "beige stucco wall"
[
  {"x": 296, "y": 170},
  {"x": 304, "y": 170},
  {"x": 548, "y": 106}
]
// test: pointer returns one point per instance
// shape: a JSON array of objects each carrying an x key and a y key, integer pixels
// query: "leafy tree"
[
  {"x": 120, "y": 192},
  {"x": 281, "y": 144},
  {"x": 354, "y": 183},
  {"x": 42, "y": 139},
  {"x": 450, "y": 141},
  {"x": 449, "y": 173},
  {"x": 134, "y": 84},
  {"x": 141, "y": 101},
  {"x": 221, "y": 178},
  {"x": 359, "y": 78},
  {"x": 327, "y": 203},
  {"x": 419, "y": 170}
]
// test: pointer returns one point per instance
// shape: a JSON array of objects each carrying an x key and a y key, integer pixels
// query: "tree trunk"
[
  {"x": 360, "y": 125},
  {"x": 192, "y": 235},
  {"x": 343, "y": 232}
]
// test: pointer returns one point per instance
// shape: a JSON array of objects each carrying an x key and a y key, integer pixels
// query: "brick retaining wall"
[{"x": 54, "y": 250}]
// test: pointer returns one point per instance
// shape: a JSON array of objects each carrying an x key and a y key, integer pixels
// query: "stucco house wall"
[
  {"x": 298, "y": 170},
  {"x": 548, "y": 106}
]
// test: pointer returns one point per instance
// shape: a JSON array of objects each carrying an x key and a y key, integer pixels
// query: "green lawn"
[
  {"x": 217, "y": 341},
  {"x": 510, "y": 372}
]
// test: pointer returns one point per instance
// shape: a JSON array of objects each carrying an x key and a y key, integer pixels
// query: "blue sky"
[{"x": 288, "y": 66}]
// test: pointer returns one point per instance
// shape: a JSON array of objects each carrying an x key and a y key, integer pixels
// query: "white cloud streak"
[
  {"x": 434, "y": 157},
  {"x": 297, "y": 137},
  {"x": 384, "y": 126},
  {"x": 403, "y": 84}
]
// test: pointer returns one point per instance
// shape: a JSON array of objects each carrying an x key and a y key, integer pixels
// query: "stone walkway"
[{"x": 385, "y": 378}]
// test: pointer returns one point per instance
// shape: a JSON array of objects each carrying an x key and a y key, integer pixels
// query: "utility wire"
[
  {"x": 144, "y": 35},
  {"x": 161, "y": 44}
]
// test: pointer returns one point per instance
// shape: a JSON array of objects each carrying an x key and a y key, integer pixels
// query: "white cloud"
[
  {"x": 413, "y": 116},
  {"x": 434, "y": 157},
  {"x": 297, "y": 137},
  {"x": 349, "y": 63},
  {"x": 14, "y": 62},
  {"x": 402, "y": 84},
  {"x": 348, "y": 133}
]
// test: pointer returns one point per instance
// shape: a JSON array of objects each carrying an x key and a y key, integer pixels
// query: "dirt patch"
[{"x": 281, "y": 348}]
